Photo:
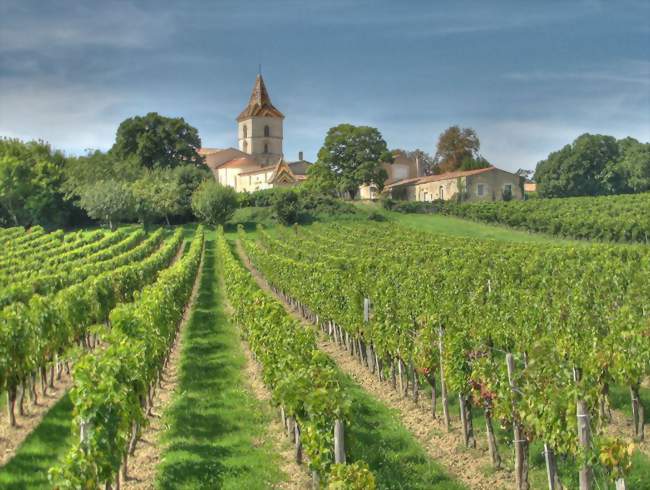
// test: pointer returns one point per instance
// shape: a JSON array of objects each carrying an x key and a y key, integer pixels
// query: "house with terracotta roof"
[
  {"x": 484, "y": 184},
  {"x": 258, "y": 162}
]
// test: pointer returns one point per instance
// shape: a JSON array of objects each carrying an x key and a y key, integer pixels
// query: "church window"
[
  {"x": 441, "y": 192},
  {"x": 266, "y": 147},
  {"x": 245, "y": 130},
  {"x": 480, "y": 189},
  {"x": 245, "y": 146},
  {"x": 267, "y": 131}
]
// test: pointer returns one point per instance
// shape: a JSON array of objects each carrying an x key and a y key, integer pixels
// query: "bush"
[
  {"x": 214, "y": 203},
  {"x": 286, "y": 207},
  {"x": 376, "y": 216}
]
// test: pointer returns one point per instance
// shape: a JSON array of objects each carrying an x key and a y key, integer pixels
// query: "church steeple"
[
  {"x": 259, "y": 103},
  {"x": 260, "y": 126}
]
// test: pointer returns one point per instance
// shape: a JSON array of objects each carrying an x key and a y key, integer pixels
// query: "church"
[{"x": 258, "y": 162}]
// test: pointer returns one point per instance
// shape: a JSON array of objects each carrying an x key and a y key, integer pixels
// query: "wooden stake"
[
  {"x": 584, "y": 435},
  {"x": 339, "y": 444},
  {"x": 443, "y": 385},
  {"x": 521, "y": 445}
]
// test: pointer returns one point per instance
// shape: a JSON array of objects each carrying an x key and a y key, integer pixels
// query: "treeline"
[
  {"x": 622, "y": 218},
  {"x": 595, "y": 165}
]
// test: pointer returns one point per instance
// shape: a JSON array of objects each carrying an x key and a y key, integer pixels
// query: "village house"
[
  {"x": 258, "y": 162},
  {"x": 484, "y": 184},
  {"x": 402, "y": 168}
]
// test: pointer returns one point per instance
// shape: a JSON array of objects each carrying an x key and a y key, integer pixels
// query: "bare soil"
[
  {"x": 12, "y": 437},
  {"x": 143, "y": 463},
  {"x": 472, "y": 467}
]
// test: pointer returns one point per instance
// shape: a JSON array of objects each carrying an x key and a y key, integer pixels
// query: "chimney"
[{"x": 300, "y": 156}]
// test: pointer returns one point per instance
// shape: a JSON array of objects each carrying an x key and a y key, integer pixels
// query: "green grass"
[
  {"x": 376, "y": 436},
  {"x": 216, "y": 428},
  {"x": 41, "y": 450}
]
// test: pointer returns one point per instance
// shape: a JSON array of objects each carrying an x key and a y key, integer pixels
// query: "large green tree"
[
  {"x": 109, "y": 201},
  {"x": 352, "y": 156},
  {"x": 455, "y": 146},
  {"x": 595, "y": 165},
  {"x": 31, "y": 176},
  {"x": 214, "y": 203},
  {"x": 158, "y": 141}
]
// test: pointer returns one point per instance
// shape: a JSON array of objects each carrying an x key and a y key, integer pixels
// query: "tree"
[
  {"x": 158, "y": 141},
  {"x": 582, "y": 168},
  {"x": 425, "y": 160},
  {"x": 632, "y": 171},
  {"x": 286, "y": 207},
  {"x": 109, "y": 201},
  {"x": 97, "y": 165},
  {"x": 456, "y": 145},
  {"x": 474, "y": 163},
  {"x": 352, "y": 156},
  {"x": 156, "y": 196},
  {"x": 214, "y": 203},
  {"x": 31, "y": 176}
]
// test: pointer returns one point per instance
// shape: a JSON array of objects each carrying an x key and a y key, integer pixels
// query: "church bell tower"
[{"x": 259, "y": 129}]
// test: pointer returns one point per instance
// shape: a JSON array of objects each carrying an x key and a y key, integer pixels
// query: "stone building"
[
  {"x": 485, "y": 184},
  {"x": 402, "y": 168},
  {"x": 258, "y": 162}
]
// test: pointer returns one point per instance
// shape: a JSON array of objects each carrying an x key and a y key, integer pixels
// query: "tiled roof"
[
  {"x": 445, "y": 176},
  {"x": 260, "y": 103}
]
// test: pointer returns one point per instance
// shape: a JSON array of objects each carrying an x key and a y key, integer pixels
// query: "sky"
[{"x": 528, "y": 76}]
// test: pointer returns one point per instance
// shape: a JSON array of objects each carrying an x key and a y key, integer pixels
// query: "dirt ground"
[
  {"x": 12, "y": 437},
  {"x": 470, "y": 466},
  {"x": 143, "y": 463}
]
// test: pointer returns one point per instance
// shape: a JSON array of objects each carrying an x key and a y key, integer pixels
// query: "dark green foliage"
[
  {"x": 623, "y": 218},
  {"x": 350, "y": 156},
  {"x": 213, "y": 203},
  {"x": 474, "y": 163},
  {"x": 595, "y": 165},
  {"x": 157, "y": 140},
  {"x": 286, "y": 207},
  {"x": 31, "y": 178}
]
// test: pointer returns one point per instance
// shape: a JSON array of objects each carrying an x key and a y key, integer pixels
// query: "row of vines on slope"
[
  {"x": 117, "y": 251},
  {"x": 40, "y": 333},
  {"x": 303, "y": 380},
  {"x": 622, "y": 218},
  {"x": 575, "y": 320},
  {"x": 111, "y": 385}
]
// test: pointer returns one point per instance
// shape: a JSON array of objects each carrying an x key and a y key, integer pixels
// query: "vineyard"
[
  {"x": 343, "y": 356},
  {"x": 621, "y": 218},
  {"x": 525, "y": 336}
]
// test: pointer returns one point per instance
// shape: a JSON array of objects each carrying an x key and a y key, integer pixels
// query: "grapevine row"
[
  {"x": 38, "y": 334},
  {"x": 112, "y": 386},
  {"x": 575, "y": 318},
  {"x": 132, "y": 248},
  {"x": 302, "y": 380}
]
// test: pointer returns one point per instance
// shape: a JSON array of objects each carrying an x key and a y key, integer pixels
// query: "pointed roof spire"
[{"x": 260, "y": 103}]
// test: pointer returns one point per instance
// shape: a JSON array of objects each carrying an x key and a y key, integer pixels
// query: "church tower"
[{"x": 260, "y": 127}]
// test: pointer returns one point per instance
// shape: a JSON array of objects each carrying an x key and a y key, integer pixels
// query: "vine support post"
[
  {"x": 620, "y": 484},
  {"x": 521, "y": 445},
  {"x": 637, "y": 413},
  {"x": 443, "y": 384},
  {"x": 551, "y": 469},
  {"x": 298, "y": 444},
  {"x": 584, "y": 435},
  {"x": 339, "y": 444}
]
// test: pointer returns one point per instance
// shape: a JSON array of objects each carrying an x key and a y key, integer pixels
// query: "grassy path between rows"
[
  {"x": 217, "y": 430},
  {"x": 376, "y": 435},
  {"x": 40, "y": 450}
]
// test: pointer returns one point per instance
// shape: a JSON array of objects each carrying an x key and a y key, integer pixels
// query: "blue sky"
[{"x": 529, "y": 76}]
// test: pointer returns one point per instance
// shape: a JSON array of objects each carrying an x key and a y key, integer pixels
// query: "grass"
[
  {"x": 40, "y": 450},
  {"x": 376, "y": 436},
  {"x": 216, "y": 436}
]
